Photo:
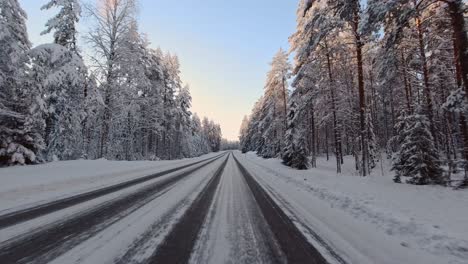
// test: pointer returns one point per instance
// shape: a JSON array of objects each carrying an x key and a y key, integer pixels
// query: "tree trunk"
[
  {"x": 326, "y": 142},
  {"x": 313, "y": 145},
  {"x": 460, "y": 47},
  {"x": 460, "y": 39},
  {"x": 285, "y": 107},
  {"x": 362, "y": 95},
  {"x": 427, "y": 88},
  {"x": 105, "y": 123},
  {"x": 406, "y": 82},
  {"x": 337, "y": 134}
]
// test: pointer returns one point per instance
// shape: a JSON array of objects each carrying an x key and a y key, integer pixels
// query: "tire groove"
[
  {"x": 178, "y": 245},
  {"x": 24, "y": 215},
  {"x": 49, "y": 243},
  {"x": 294, "y": 244}
]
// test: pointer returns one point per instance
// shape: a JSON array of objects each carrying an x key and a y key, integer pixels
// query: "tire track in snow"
[
  {"x": 177, "y": 246},
  {"x": 50, "y": 242},
  {"x": 235, "y": 230},
  {"x": 327, "y": 249},
  {"x": 144, "y": 247},
  {"x": 293, "y": 243},
  {"x": 17, "y": 217}
]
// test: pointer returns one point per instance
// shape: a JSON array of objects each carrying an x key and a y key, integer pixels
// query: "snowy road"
[{"x": 209, "y": 210}]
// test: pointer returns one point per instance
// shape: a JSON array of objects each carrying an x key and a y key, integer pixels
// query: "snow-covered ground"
[
  {"x": 134, "y": 237},
  {"x": 25, "y": 186},
  {"x": 368, "y": 220},
  {"x": 129, "y": 235},
  {"x": 349, "y": 219}
]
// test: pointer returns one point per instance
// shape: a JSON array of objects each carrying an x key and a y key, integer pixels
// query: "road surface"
[{"x": 206, "y": 211}]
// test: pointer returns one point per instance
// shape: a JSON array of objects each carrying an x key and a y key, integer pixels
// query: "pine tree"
[
  {"x": 59, "y": 74},
  {"x": 184, "y": 102},
  {"x": 274, "y": 111},
  {"x": 21, "y": 104},
  {"x": 417, "y": 158},
  {"x": 295, "y": 151},
  {"x": 64, "y": 81},
  {"x": 64, "y": 23}
]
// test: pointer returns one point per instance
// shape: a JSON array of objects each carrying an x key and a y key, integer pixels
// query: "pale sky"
[{"x": 224, "y": 47}]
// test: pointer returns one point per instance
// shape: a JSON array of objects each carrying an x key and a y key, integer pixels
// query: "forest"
[
  {"x": 375, "y": 79},
  {"x": 104, "y": 93}
]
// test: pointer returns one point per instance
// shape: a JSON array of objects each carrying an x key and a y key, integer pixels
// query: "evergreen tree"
[
  {"x": 64, "y": 23},
  {"x": 417, "y": 159},
  {"x": 274, "y": 116},
  {"x": 64, "y": 81},
  {"x": 21, "y": 104},
  {"x": 295, "y": 150},
  {"x": 184, "y": 102},
  {"x": 59, "y": 74}
]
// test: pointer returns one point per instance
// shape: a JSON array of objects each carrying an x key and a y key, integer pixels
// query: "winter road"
[{"x": 206, "y": 211}]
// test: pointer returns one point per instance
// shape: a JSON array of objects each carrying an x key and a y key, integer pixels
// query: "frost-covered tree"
[
  {"x": 274, "y": 116},
  {"x": 59, "y": 74},
  {"x": 183, "y": 122},
  {"x": 266, "y": 129},
  {"x": 199, "y": 141},
  {"x": 21, "y": 104},
  {"x": 172, "y": 85},
  {"x": 316, "y": 44},
  {"x": 113, "y": 18},
  {"x": 128, "y": 105},
  {"x": 243, "y": 132},
  {"x": 64, "y": 24},
  {"x": 295, "y": 152},
  {"x": 417, "y": 159}
]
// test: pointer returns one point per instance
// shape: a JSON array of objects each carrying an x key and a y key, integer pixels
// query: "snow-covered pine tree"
[
  {"x": 197, "y": 141},
  {"x": 60, "y": 74},
  {"x": 243, "y": 132},
  {"x": 253, "y": 139},
  {"x": 64, "y": 23},
  {"x": 399, "y": 159},
  {"x": 132, "y": 105},
  {"x": 274, "y": 116},
  {"x": 64, "y": 82},
  {"x": 417, "y": 158},
  {"x": 21, "y": 104},
  {"x": 172, "y": 85},
  {"x": 349, "y": 14},
  {"x": 295, "y": 153},
  {"x": 151, "y": 106},
  {"x": 184, "y": 102}
]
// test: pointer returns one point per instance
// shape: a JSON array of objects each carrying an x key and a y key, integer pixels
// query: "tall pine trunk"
[
  {"x": 362, "y": 95},
  {"x": 459, "y": 38},
  {"x": 336, "y": 131},
  {"x": 427, "y": 88},
  {"x": 460, "y": 47},
  {"x": 407, "y": 84}
]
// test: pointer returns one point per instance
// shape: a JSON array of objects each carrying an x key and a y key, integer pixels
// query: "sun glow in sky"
[{"x": 224, "y": 47}]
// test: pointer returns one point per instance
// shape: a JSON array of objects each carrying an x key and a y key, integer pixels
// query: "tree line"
[
  {"x": 127, "y": 102},
  {"x": 370, "y": 78}
]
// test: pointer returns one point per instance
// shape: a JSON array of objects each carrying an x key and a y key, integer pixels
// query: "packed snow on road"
[{"x": 208, "y": 210}]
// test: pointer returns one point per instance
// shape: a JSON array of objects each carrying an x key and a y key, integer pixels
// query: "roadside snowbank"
[{"x": 370, "y": 220}]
